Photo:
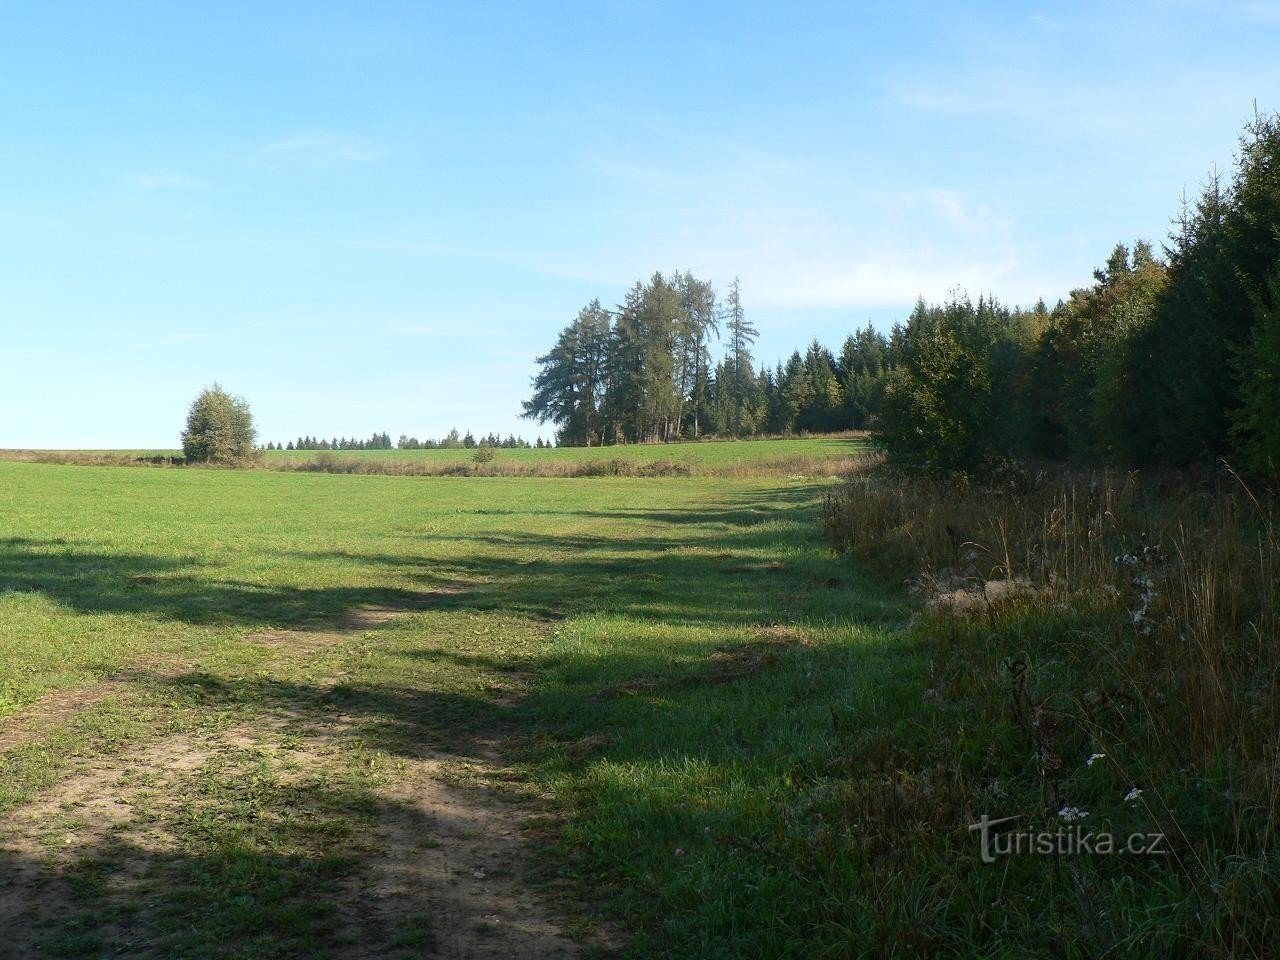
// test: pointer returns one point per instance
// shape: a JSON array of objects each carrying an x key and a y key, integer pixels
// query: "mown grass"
[
  {"x": 659, "y": 655},
  {"x": 743, "y": 745}
]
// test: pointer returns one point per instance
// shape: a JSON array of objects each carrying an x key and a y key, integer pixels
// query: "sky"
[{"x": 374, "y": 216}]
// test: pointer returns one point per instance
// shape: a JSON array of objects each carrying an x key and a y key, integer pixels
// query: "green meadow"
[
  {"x": 254, "y": 669},
  {"x": 716, "y": 456},
  {"x": 260, "y": 713},
  {"x": 710, "y": 453}
]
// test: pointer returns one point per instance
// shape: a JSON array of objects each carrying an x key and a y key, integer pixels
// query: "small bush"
[{"x": 219, "y": 429}]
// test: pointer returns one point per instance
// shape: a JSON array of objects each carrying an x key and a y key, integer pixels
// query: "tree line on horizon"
[
  {"x": 1167, "y": 357},
  {"x": 644, "y": 373},
  {"x": 382, "y": 441}
]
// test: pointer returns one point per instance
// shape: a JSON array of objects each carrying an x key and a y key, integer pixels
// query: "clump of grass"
[{"x": 1119, "y": 656}]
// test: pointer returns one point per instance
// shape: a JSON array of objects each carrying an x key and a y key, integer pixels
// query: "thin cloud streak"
[
  {"x": 156, "y": 180},
  {"x": 323, "y": 146}
]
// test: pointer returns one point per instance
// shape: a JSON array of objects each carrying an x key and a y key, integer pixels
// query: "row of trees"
[
  {"x": 639, "y": 373},
  {"x": 1169, "y": 357},
  {"x": 382, "y": 441},
  {"x": 644, "y": 372},
  {"x": 1160, "y": 360},
  {"x": 452, "y": 441},
  {"x": 379, "y": 441}
]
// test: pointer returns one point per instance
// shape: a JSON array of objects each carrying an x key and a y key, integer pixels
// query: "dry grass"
[
  {"x": 89, "y": 459},
  {"x": 1135, "y": 617},
  {"x": 753, "y": 459},
  {"x": 795, "y": 465}
]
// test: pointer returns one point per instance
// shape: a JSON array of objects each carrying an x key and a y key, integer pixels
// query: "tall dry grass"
[
  {"x": 1127, "y": 617},
  {"x": 798, "y": 465},
  {"x": 794, "y": 465}
]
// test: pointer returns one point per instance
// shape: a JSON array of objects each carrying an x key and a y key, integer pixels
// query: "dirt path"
[
  {"x": 461, "y": 849},
  {"x": 57, "y": 706},
  {"x": 433, "y": 866}
]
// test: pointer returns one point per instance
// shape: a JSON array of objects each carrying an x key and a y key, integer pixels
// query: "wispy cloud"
[
  {"x": 322, "y": 147},
  {"x": 809, "y": 237},
  {"x": 1048, "y": 24},
  {"x": 1260, "y": 11},
  {"x": 883, "y": 282},
  {"x": 149, "y": 180}
]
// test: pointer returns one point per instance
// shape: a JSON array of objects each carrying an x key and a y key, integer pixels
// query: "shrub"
[
  {"x": 947, "y": 402},
  {"x": 219, "y": 428}
]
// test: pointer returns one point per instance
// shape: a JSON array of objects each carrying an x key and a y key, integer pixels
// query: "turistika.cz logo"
[{"x": 1064, "y": 841}]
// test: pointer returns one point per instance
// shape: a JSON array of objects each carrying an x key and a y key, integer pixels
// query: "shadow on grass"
[
  {"x": 89, "y": 581},
  {"x": 746, "y": 562},
  {"x": 393, "y": 718},
  {"x": 660, "y": 702},
  {"x": 739, "y": 510},
  {"x": 255, "y": 869}
]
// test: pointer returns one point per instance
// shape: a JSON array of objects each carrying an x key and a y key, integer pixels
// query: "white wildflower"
[
  {"x": 1072, "y": 814},
  {"x": 1093, "y": 757},
  {"x": 1132, "y": 795}
]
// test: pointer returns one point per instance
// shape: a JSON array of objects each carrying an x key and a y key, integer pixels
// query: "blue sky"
[{"x": 373, "y": 216}]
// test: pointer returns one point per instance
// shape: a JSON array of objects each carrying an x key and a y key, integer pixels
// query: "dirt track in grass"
[{"x": 429, "y": 853}]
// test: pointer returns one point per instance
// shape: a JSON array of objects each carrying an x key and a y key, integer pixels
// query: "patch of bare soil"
[
  {"x": 52, "y": 708},
  {"x": 104, "y": 806},
  {"x": 744, "y": 659},
  {"x": 452, "y": 856},
  {"x": 441, "y": 875},
  {"x": 759, "y": 566},
  {"x": 56, "y": 706}
]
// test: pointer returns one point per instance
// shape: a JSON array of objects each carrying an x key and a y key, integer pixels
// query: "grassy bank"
[{"x": 1102, "y": 653}]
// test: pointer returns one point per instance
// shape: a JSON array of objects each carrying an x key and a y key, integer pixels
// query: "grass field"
[
  {"x": 711, "y": 453},
  {"x": 261, "y": 714},
  {"x": 257, "y": 713}
]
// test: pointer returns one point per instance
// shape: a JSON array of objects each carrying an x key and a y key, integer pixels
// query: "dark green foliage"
[
  {"x": 946, "y": 400},
  {"x": 379, "y": 441},
  {"x": 735, "y": 380},
  {"x": 824, "y": 411},
  {"x": 219, "y": 428},
  {"x": 1190, "y": 384},
  {"x": 1153, "y": 363},
  {"x": 643, "y": 373},
  {"x": 1256, "y": 430},
  {"x": 511, "y": 442},
  {"x": 861, "y": 369},
  {"x": 569, "y": 388}
]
